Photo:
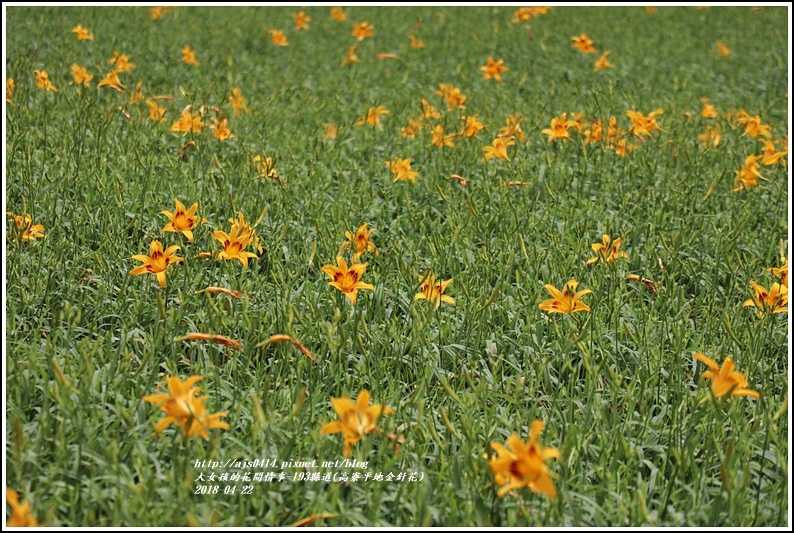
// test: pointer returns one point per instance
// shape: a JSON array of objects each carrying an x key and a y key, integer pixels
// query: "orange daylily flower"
[
  {"x": 279, "y": 38},
  {"x": 602, "y": 62},
  {"x": 347, "y": 280},
  {"x": 112, "y": 80},
  {"x": 301, "y": 20},
  {"x": 565, "y": 302},
  {"x": 524, "y": 14},
  {"x": 21, "y": 513},
  {"x": 644, "y": 126},
  {"x": 220, "y": 129},
  {"x": 266, "y": 167},
  {"x": 362, "y": 30},
  {"x": 185, "y": 410},
  {"x": 559, "y": 128},
  {"x": 428, "y": 111},
  {"x": 157, "y": 261},
  {"x": 441, "y": 140},
  {"x": 401, "y": 169},
  {"x": 583, "y": 43},
  {"x": 81, "y": 33},
  {"x": 157, "y": 12},
  {"x": 189, "y": 56},
  {"x": 350, "y": 57},
  {"x": 725, "y": 379},
  {"x": 754, "y": 128},
  {"x": 623, "y": 148},
  {"x": 473, "y": 125},
  {"x": 770, "y": 155},
  {"x": 594, "y": 132},
  {"x": 355, "y": 419},
  {"x": 182, "y": 220},
  {"x": 360, "y": 242},
  {"x": 9, "y": 89},
  {"x": 411, "y": 129},
  {"x": 416, "y": 42},
  {"x": 498, "y": 149},
  {"x": 373, "y": 116},
  {"x": 81, "y": 76},
  {"x": 711, "y": 136},
  {"x": 43, "y": 80},
  {"x": 494, "y": 69},
  {"x": 121, "y": 62},
  {"x": 433, "y": 291},
  {"x": 456, "y": 100},
  {"x": 524, "y": 464},
  {"x": 607, "y": 250},
  {"x": 29, "y": 230},
  {"x": 708, "y": 111},
  {"x": 331, "y": 130},
  {"x": 512, "y": 128},
  {"x": 236, "y": 241},
  {"x": 237, "y": 102},
  {"x": 155, "y": 111},
  {"x": 748, "y": 175},
  {"x": 188, "y": 122},
  {"x": 722, "y": 50},
  {"x": 769, "y": 301},
  {"x": 337, "y": 14}
]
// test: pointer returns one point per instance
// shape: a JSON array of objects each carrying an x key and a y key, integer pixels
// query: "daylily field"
[{"x": 396, "y": 266}]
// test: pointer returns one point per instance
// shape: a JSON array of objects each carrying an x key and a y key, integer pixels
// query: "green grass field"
[{"x": 642, "y": 438}]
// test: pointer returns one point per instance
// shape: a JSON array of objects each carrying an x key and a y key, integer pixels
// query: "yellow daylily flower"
[
  {"x": 182, "y": 220},
  {"x": 498, "y": 149},
  {"x": 157, "y": 261},
  {"x": 493, "y": 69},
  {"x": 185, "y": 410},
  {"x": 362, "y": 30},
  {"x": 641, "y": 125},
  {"x": 769, "y": 301},
  {"x": 748, "y": 175},
  {"x": 279, "y": 38},
  {"x": 725, "y": 379},
  {"x": 189, "y": 56},
  {"x": 583, "y": 43},
  {"x": 301, "y": 20},
  {"x": 236, "y": 241},
  {"x": 373, "y": 116},
  {"x": 565, "y": 302},
  {"x": 81, "y": 33},
  {"x": 21, "y": 513},
  {"x": 355, "y": 419},
  {"x": 441, "y": 140},
  {"x": 43, "y": 80},
  {"x": 602, "y": 62},
  {"x": 524, "y": 464},
  {"x": 607, "y": 250},
  {"x": 433, "y": 291},
  {"x": 220, "y": 129},
  {"x": 81, "y": 76},
  {"x": 347, "y": 280},
  {"x": 360, "y": 242},
  {"x": 559, "y": 128},
  {"x": 121, "y": 62},
  {"x": 401, "y": 169}
]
